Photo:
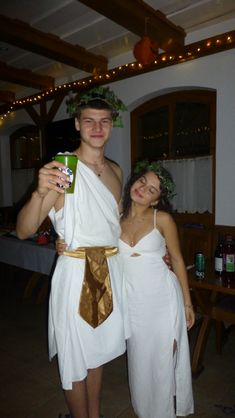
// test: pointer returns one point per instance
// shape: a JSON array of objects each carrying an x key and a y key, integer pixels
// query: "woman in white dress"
[{"x": 159, "y": 300}]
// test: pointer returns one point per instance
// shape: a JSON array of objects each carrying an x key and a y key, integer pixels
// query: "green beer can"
[
  {"x": 200, "y": 265},
  {"x": 70, "y": 161}
]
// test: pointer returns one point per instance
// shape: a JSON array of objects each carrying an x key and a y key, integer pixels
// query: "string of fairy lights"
[
  {"x": 201, "y": 130},
  {"x": 192, "y": 51}
]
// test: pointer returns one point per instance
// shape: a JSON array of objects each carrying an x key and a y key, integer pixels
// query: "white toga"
[{"x": 89, "y": 218}]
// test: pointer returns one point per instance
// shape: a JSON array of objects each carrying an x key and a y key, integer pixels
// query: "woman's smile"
[{"x": 138, "y": 193}]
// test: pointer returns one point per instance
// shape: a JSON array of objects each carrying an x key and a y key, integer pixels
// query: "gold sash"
[{"x": 96, "y": 302}]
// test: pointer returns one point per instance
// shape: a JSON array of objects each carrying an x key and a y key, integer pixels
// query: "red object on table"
[{"x": 43, "y": 239}]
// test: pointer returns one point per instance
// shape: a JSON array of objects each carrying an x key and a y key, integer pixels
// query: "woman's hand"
[
  {"x": 60, "y": 246},
  {"x": 190, "y": 316}
]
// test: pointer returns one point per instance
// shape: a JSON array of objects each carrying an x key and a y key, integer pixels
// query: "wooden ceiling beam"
[
  {"x": 22, "y": 35},
  {"x": 25, "y": 77},
  {"x": 7, "y": 96},
  {"x": 196, "y": 50},
  {"x": 138, "y": 17}
]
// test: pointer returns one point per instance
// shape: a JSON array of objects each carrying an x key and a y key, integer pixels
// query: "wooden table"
[
  {"x": 209, "y": 295},
  {"x": 29, "y": 255}
]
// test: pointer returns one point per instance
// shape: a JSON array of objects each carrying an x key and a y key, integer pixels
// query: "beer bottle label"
[{"x": 229, "y": 263}]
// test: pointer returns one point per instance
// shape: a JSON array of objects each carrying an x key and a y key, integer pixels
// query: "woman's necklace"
[
  {"x": 132, "y": 244},
  {"x": 134, "y": 225},
  {"x": 136, "y": 220}
]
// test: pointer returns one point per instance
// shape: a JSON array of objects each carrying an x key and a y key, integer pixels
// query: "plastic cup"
[{"x": 70, "y": 161}]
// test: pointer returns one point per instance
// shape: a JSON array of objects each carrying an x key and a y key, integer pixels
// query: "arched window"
[
  {"x": 179, "y": 129},
  {"x": 26, "y": 158},
  {"x": 26, "y": 148}
]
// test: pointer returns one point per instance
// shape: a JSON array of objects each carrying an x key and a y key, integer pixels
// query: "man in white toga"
[{"x": 87, "y": 315}]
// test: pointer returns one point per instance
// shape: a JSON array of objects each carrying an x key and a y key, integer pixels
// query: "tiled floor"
[{"x": 30, "y": 386}]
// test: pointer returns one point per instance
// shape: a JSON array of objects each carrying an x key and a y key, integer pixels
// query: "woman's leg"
[{"x": 174, "y": 356}]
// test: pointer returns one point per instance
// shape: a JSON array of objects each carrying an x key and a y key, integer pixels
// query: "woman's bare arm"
[{"x": 168, "y": 228}]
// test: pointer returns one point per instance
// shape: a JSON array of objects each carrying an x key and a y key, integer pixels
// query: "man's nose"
[{"x": 97, "y": 126}]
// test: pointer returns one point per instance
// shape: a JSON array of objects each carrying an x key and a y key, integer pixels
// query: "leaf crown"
[
  {"x": 98, "y": 93},
  {"x": 164, "y": 176}
]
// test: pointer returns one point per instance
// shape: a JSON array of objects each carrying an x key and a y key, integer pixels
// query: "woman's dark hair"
[{"x": 163, "y": 204}]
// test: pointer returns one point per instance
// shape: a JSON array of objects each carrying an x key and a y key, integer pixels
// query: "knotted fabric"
[{"x": 96, "y": 302}]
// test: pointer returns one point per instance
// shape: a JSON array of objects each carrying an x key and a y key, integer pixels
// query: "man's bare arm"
[{"x": 42, "y": 200}]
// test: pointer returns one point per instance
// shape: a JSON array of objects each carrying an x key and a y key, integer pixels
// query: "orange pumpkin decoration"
[{"x": 145, "y": 51}]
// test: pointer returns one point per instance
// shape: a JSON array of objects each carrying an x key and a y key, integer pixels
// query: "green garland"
[
  {"x": 100, "y": 93},
  {"x": 165, "y": 178}
]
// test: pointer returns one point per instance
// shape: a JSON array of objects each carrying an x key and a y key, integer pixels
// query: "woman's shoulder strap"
[{"x": 155, "y": 218}]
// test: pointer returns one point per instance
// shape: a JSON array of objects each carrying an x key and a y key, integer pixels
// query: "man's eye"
[{"x": 106, "y": 122}]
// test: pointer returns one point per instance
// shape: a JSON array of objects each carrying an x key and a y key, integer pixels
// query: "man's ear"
[{"x": 77, "y": 124}]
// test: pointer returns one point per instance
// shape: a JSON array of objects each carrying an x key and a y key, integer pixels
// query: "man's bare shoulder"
[
  {"x": 112, "y": 178},
  {"x": 115, "y": 167}
]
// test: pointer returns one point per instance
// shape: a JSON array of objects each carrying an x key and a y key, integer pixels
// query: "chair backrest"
[{"x": 195, "y": 240}]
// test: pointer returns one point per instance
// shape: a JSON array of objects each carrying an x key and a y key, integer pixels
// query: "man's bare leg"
[
  {"x": 94, "y": 386},
  {"x": 77, "y": 400},
  {"x": 84, "y": 399}
]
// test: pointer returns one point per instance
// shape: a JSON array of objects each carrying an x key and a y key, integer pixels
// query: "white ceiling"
[{"x": 77, "y": 24}]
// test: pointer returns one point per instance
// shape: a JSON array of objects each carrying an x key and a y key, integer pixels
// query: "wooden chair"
[
  {"x": 193, "y": 240},
  {"x": 223, "y": 313},
  {"x": 201, "y": 239}
]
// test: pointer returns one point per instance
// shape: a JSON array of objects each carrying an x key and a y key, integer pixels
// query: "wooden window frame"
[
  {"x": 170, "y": 99},
  {"x": 25, "y": 131}
]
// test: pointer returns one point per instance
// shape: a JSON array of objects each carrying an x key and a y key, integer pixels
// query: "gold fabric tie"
[{"x": 96, "y": 302}]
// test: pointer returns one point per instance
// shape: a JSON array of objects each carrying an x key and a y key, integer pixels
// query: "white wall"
[{"x": 216, "y": 72}]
